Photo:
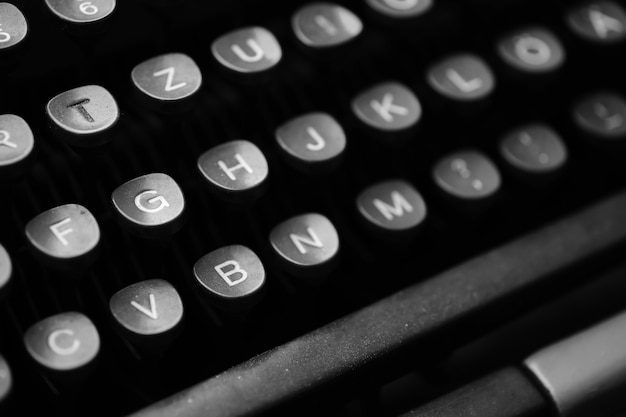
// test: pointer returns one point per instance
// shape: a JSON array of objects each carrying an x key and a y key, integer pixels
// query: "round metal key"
[
  {"x": 462, "y": 77},
  {"x": 13, "y": 27},
  {"x": 534, "y": 149},
  {"x": 83, "y": 116},
  {"x": 64, "y": 342},
  {"x": 532, "y": 50},
  {"x": 16, "y": 144},
  {"x": 232, "y": 276},
  {"x": 305, "y": 242},
  {"x": 64, "y": 235},
  {"x": 247, "y": 51},
  {"x": 147, "y": 308},
  {"x": 324, "y": 25},
  {"x": 394, "y": 206},
  {"x": 468, "y": 175},
  {"x": 81, "y": 11}
]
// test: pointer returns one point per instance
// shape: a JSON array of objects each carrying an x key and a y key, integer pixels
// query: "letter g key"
[{"x": 151, "y": 205}]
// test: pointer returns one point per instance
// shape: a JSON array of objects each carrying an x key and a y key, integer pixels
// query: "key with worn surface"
[
  {"x": 83, "y": 116},
  {"x": 64, "y": 237},
  {"x": 151, "y": 205}
]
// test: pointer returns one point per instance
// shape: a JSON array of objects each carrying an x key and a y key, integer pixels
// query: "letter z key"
[{"x": 167, "y": 82}]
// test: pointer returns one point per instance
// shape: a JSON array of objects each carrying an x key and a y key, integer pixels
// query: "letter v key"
[{"x": 152, "y": 313}]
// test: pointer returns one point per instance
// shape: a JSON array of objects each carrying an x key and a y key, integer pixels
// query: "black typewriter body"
[{"x": 133, "y": 371}]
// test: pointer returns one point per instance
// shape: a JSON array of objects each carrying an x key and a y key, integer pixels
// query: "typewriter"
[{"x": 348, "y": 207}]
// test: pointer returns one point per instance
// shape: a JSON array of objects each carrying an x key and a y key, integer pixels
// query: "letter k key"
[{"x": 388, "y": 107}]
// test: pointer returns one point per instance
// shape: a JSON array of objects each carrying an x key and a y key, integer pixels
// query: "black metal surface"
[
  {"x": 506, "y": 393},
  {"x": 409, "y": 316},
  {"x": 55, "y": 59}
]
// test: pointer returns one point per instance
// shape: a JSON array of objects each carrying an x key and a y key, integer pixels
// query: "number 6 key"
[{"x": 82, "y": 14}]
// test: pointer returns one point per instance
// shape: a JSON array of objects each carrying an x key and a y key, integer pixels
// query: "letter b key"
[{"x": 232, "y": 276}]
